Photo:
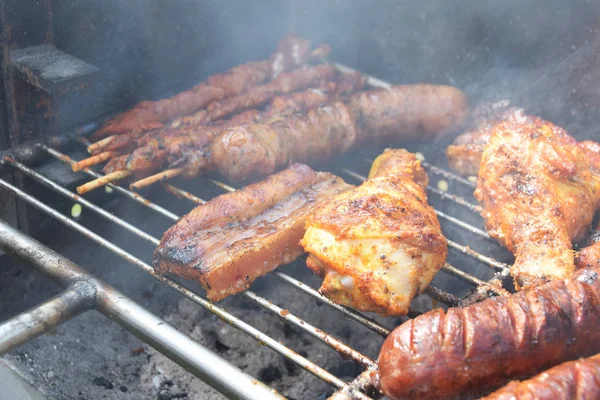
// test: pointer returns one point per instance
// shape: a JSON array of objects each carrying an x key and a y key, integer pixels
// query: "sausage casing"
[{"x": 442, "y": 354}]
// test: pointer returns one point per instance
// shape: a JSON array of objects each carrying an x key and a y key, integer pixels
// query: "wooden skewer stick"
[
  {"x": 93, "y": 160},
  {"x": 161, "y": 176},
  {"x": 100, "y": 144},
  {"x": 106, "y": 179}
]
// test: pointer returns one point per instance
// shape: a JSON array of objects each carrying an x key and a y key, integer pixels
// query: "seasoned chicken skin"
[
  {"x": 380, "y": 244},
  {"x": 539, "y": 191}
]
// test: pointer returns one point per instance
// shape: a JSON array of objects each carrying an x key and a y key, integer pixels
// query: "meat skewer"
[
  {"x": 189, "y": 149},
  {"x": 286, "y": 82},
  {"x": 480, "y": 347},
  {"x": 226, "y": 243},
  {"x": 574, "y": 379},
  {"x": 157, "y": 150},
  {"x": 403, "y": 112},
  {"x": 291, "y": 53},
  {"x": 380, "y": 244}
]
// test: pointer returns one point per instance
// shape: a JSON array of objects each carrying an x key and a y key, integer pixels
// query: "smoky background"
[{"x": 539, "y": 54}]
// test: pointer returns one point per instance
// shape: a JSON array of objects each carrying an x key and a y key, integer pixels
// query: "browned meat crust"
[
  {"x": 464, "y": 350},
  {"x": 538, "y": 194},
  {"x": 291, "y": 53},
  {"x": 285, "y": 83},
  {"x": 228, "y": 242},
  {"x": 570, "y": 380},
  {"x": 404, "y": 112},
  {"x": 380, "y": 244}
]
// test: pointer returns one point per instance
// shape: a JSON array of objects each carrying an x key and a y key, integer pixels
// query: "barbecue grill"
[{"x": 57, "y": 88}]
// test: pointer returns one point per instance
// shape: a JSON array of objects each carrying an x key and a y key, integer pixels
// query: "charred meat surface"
[
  {"x": 570, "y": 380},
  {"x": 228, "y": 242},
  {"x": 380, "y": 244},
  {"x": 291, "y": 53},
  {"x": 483, "y": 346},
  {"x": 539, "y": 193},
  {"x": 404, "y": 112},
  {"x": 187, "y": 143}
]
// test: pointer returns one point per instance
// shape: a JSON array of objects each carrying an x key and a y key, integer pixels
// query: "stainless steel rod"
[
  {"x": 369, "y": 323},
  {"x": 48, "y": 315},
  {"x": 336, "y": 344},
  {"x": 224, "y": 315},
  {"x": 188, "y": 353},
  {"x": 447, "y": 174},
  {"x": 360, "y": 318},
  {"x": 138, "y": 198}
]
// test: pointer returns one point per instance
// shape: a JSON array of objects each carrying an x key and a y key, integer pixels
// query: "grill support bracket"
[{"x": 84, "y": 291}]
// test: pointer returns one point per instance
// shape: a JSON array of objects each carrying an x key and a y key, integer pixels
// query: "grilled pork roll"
[
  {"x": 231, "y": 240},
  {"x": 570, "y": 380},
  {"x": 380, "y": 244},
  {"x": 481, "y": 347},
  {"x": 404, "y": 112}
]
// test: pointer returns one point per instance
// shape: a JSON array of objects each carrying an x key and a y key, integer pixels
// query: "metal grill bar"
[
  {"x": 224, "y": 315},
  {"x": 447, "y": 174},
  {"x": 188, "y": 353},
  {"x": 453, "y": 220},
  {"x": 68, "y": 160},
  {"x": 38, "y": 320},
  {"x": 369, "y": 323},
  {"x": 365, "y": 380},
  {"x": 438, "y": 294},
  {"x": 452, "y": 244}
]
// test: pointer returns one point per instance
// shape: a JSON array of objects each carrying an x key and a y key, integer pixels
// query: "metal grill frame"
[{"x": 84, "y": 291}]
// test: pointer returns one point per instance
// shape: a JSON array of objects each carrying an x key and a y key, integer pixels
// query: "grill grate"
[{"x": 367, "y": 380}]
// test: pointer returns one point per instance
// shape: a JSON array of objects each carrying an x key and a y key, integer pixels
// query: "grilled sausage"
[
  {"x": 442, "y": 354},
  {"x": 571, "y": 380},
  {"x": 404, "y": 112}
]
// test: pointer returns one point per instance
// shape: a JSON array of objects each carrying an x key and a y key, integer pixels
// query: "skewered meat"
[
  {"x": 403, "y": 112},
  {"x": 379, "y": 245},
  {"x": 287, "y": 82},
  {"x": 157, "y": 148},
  {"x": 464, "y": 350},
  {"x": 571, "y": 380},
  {"x": 228, "y": 242},
  {"x": 538, "y": 194},
  {"x": 291, "y": 53}
]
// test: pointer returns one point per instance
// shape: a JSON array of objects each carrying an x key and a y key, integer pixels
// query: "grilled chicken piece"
[
  {"x": 379, "y": 245},
  {"x": 539, "y": 192},
  {"x": 228, "y": 242}
]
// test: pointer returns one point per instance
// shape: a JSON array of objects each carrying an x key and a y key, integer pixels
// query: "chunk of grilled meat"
[
  {"x": 404, "y": 112},
  {"x": 539, "y": 193},
  {"x": 571, "y": 380},
  {"x": 463, "y": 351},
  {"x": 228, "y": 242},
  {"x": 287, "y": 82},
  {"x": 380, "y": 244},
  {"x": 291, "y": 53},
  {"x": 157, "y": 148}
]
